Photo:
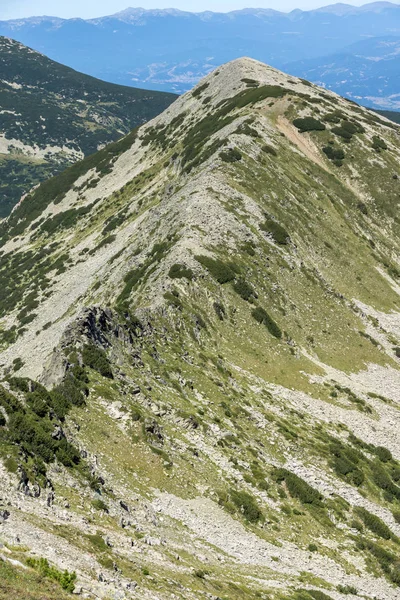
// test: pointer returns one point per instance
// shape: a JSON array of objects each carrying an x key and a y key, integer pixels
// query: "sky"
[{"x": 12, "y": 9}]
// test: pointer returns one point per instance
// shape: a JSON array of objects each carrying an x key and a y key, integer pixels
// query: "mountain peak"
[{"x": 211, "y": 306}]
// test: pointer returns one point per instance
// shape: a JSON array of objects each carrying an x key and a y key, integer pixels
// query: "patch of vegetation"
[
  {"x": 222, "y": 272},
  {"x": 336, "y": 155},
  {"x": 96, "y": 359},
  {"x": 269, "y": 150},
  {"x": 31, "y": 425},
  {"x": 308, "y": 124},
  {"x": 373, "y": 523},
  {"x": 99, "y": 504},
  {"x": 261, "y": 316},
  {"x": 241, "y": 502},
  {"x": 64, "y": 578},
  {"x": 173, "y": 298},
  {"x": 66, "y": 219},
  {"x": 387, "y": 560},
  {"x": 250, "y": 82},
  {"x": 315, "y": 594},
  {"x": 345, "y": 462},
  {"x": 231, "y": 155},
  {"x": 278, "y": 233},
  {"x": 378, "y": 144},
  {"x": 113, "y": 222},
  {"x": 333, "y": 117},
  {"x": 347, "y": 589},
  {"x": 200, "y": 89},
  {"x": 28, "y": 584},
  {"x": 220, "y": 310},
  {"x": 178, "y": 271},
  {"x": 298, "y": 488},
  {"x": 196, "y": 144},
  {"x": 244, "y": 290}
]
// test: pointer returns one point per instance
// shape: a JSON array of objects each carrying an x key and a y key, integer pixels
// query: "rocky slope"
[
  {"x": 52, "y": 116},
  {"x": 200, "y": 336}
]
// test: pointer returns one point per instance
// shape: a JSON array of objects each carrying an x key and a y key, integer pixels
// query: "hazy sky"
[{"x": 10, "y": 9}]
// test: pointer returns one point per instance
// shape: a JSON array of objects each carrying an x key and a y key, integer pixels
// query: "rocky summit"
[{"x": 200, "y": 342}]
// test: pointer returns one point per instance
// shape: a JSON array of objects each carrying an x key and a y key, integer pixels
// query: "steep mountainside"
[
  {"x": 171, "y": 49},
  {"x": 200, "y": 340},
  {"x": 51, "y": 116}
]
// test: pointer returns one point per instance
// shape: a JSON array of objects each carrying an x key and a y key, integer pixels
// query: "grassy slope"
[{"x": 210, "y": 384}]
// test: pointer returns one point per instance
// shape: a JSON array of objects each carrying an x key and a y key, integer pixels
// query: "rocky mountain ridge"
[{"x": 200, "y": 332}]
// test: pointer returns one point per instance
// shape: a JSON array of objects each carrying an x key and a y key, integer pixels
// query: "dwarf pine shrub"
[
  {"x": 261, "y": 316},
  {"x": 373, "y": 523},
  {"x": 221, "y": 271},
  {"x": 308, "y": 124}
]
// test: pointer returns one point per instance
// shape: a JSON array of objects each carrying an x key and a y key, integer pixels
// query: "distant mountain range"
[
  {"x": 171, "y": 50},
  {"x": 366, "y": 71},
  {"x": 51, "y": 116}
]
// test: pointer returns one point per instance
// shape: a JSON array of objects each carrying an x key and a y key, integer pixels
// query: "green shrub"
[
  {"x": 114, "y": 222},
  {"x": 261, "y": 316},
  {"x": 249, "y": 248},
  {"x": 396, "y": 516},
  {"x": 231, "y": 155},
  {"x": 222, "y": 272},
  {"x": 244, "y": 290},
  {"x": 395, "y": 573},
  {"x": 347, "y": 589},
  {"x": 378, "y": 144},
  {"x": 308, "y": 124},
  {"x": 362, "y": 208},
  {"x": 352, "y": 128},
  {"x": 220, "y": 310},
  {"x": 333, "y": 153},
  {"x": 345, "y": 461},
  {"x": 298, "y": 488},
  {"x": 278, "y": 233},
  {"x": 131, "y": 279},
  {"x": 383, "y": 454},
  {"x": 64, "y": 578},
  {"x": 99, "y": 504},
  {"x": 343, "y": 133},
  {"x": 200, "y": 574},
  {"x": 178, "y": 271},
  {"x": 19, "y": 384},
  {"x": 245, "y": 129},
  {"x": 333, "y": 117},
  {"x": 18, "y": 363},
  {"x": 373, "y": 523},
  {"x": 317, "y": 594},
  {"x": 96, "y": 359},
  {"x": 173, "y": 298},
  {"x": 247, "y": 505},
  {"x": 269, "y": 150},
  {"x": 385, "y": 558},
  {"x": 250, "y": 82},
  {"x": 200, "y": 89},
  {"x": 97, "y": 541}
]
